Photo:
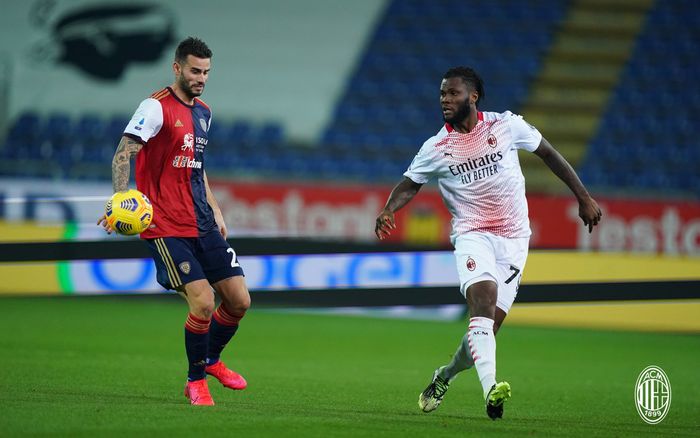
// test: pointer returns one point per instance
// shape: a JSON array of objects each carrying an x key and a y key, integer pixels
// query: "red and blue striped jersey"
[{"x": 170, "y": 166}]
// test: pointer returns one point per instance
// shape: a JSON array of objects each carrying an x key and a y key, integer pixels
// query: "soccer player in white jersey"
[{"x": 474, "y": 158}]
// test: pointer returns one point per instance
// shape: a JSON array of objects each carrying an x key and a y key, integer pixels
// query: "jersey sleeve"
[
  {"x": 424, "y": 165},
  {"x": 146, "y": 121},
  {"x": 525, "y": 136}
]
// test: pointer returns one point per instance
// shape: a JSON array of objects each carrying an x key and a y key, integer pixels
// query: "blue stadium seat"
[
  {"x": 114, "y": 128},
  {"x": 413, "y": 45},
  {"x": 26, "y": 129},
  {"x": 654, "y": 108},
  {"x": 271, "y": 134}
]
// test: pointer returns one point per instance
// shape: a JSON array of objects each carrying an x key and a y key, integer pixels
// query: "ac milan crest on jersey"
[
  {"x": 471, "y": 264},
  {"x": 491, "y": 140}
]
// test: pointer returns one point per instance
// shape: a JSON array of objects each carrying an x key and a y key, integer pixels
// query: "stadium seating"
[
  {"x": 387, "y": 110},
  {"x": 390, "y": 106},
  {"x": 646, "y": 138},
  {"x": 60, "y": 146}
]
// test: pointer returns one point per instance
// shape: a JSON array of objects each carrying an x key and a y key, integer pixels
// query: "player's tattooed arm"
[{"x": 126, "y": 149}]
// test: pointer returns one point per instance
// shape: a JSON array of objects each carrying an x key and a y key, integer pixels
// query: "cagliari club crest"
[{"x": 185, "y": 267}]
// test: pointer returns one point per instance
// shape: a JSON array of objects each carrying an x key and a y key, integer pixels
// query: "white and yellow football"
[{"x": 129, "y": 212}]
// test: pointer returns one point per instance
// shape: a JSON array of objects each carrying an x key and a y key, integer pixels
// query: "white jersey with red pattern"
[{"x": 478, "y": 173}]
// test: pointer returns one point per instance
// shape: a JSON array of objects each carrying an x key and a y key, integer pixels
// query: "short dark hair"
[
  {"x": 470, "y": 77},
  {"x": 191, "y": 46}
]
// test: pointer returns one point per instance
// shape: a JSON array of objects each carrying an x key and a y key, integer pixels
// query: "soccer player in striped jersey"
[
  {"x": 474, "y": 158},
  {"x": 187, "y": 237}
]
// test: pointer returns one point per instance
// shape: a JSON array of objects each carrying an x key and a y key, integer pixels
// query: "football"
[{"x": 129, "y": 212}]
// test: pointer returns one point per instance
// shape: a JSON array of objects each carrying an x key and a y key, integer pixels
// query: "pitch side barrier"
[{"x": 317, "y": 273}]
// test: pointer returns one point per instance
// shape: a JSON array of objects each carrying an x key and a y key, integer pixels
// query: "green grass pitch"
[{"x": 115, "y": 366}]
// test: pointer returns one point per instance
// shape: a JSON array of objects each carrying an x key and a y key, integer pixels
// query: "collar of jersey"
[{"x": 172, "y": 92}]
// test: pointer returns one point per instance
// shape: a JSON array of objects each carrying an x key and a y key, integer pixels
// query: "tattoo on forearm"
[{"x": 126, "y": 149}]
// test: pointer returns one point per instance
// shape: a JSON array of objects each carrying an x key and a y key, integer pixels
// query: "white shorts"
[{"x": 484, "y": 256}]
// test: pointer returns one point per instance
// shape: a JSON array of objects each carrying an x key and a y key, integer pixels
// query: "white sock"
[
  {"x": 462, "y": 360},
  {"x": 482, "y": 344}
]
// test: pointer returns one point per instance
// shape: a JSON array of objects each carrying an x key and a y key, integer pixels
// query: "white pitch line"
[{"x": 24, "y": 200}]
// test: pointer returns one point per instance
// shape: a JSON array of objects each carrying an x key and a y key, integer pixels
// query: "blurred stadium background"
[{"x": 319, "y": 106}]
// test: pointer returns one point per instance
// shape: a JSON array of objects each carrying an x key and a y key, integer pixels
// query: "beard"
[
  {"x": 460, "y": 115},
  {"x": 187, "y": 89}
]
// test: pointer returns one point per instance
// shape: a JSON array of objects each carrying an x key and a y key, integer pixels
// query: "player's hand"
[
  {"x": 589, "y": 212},
  {"x": 220, "y": 224},
  {"x": 385, "y": 223},
  {"x": 103, "y": 221}
]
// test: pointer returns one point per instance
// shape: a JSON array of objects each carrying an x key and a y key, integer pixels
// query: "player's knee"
[
  {"x": 235, "y": 294},
  {"x": 203, "y": 306},
  {"x": 244, "y": 303},
  {"x": 481, "y": 298},
  {"x": 231, "y": 313},
  {"x": 204, "y": 310},
  {"x": 241, "y": 303}
]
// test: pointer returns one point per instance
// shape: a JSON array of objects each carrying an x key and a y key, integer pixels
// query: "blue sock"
[
  {"x": 196, "y": 340},
  {"x": 219, "y": 335},
  {"x": 224, "y": 325}
]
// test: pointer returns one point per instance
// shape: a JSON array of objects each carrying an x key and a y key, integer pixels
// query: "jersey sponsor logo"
[
  {"x": 477, "y": 168},
  {"x": 471, "y": 264},
  {"x": 200, "y": 143},
  {"x": 188, "y": 142},
  {"x": 183, "y": 161},
  {"x": 653, "y": 394},
  {"x": 476, "y": 163},
  {"x": 491, "y": 140},
  {"x": 185, "y": 267},
  {"x": 178, "y": 124}
]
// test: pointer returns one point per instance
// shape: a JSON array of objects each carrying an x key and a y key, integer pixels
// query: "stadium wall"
[
  {"x": 117, "y": 54},
  {"x": 318, "y": 273},
  {"x": 347, "y": 212},
  {"x": 319, "y": 240}
]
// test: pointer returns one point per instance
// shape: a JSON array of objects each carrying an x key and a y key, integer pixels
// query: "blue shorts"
[{"x": 181, "y": 260}]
